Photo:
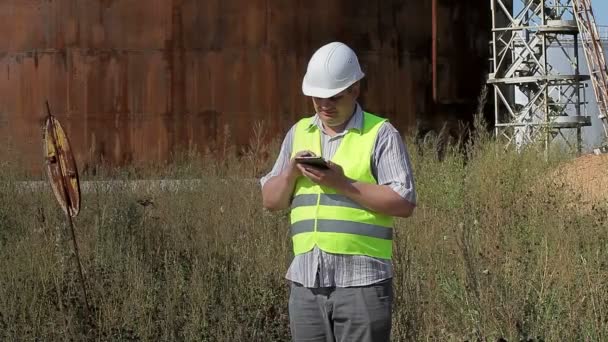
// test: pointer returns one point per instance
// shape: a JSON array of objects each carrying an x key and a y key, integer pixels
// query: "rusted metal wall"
[{"x": 138, "y": 80}]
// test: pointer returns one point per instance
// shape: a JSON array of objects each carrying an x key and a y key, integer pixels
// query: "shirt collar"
[{"x": 355, "y": 122}]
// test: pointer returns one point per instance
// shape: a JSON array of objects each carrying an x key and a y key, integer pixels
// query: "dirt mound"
[{"x": 588, "y": 177}]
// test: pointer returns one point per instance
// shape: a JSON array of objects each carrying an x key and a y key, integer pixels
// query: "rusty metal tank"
[{"x": 135, "y": 81}]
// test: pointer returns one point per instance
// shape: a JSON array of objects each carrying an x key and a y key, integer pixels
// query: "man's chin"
[{"x": 334, "y": 123}]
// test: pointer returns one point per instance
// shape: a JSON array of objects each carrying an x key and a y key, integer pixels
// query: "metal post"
[
  {"x": 579, "y": 131},
  {"x": 68, "y": 214},
  {"x": 546, "y": 130}
]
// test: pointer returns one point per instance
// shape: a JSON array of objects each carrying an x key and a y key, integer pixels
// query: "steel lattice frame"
[
  {"x": 594, "y": 53},
  {"x": 553, "y": 101}
]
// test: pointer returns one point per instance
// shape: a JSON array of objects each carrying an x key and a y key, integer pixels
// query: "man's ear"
[{"x": 356, "y": 89}]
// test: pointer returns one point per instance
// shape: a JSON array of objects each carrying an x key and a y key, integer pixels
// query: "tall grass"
[{"x": 495, "y": 250}]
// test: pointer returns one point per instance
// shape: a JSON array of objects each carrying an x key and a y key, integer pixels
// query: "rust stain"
[
  {"x": 139, "y": 81},
  {"x": 175, "y": 54}
]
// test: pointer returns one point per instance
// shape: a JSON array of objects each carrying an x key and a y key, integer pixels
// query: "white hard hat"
[{"x": 331, "y": 69}]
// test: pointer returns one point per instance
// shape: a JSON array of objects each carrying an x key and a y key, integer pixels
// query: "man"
[{"x": 341, "y": 217}]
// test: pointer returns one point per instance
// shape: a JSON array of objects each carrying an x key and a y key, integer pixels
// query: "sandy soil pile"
[{"x": 587, "y": 176}]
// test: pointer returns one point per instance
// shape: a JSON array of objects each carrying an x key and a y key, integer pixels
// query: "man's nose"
[{"x": 324, "y": 103}]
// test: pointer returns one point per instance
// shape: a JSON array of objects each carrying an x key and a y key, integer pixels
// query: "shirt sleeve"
[
  {"x": 391, "y": 163},
  {"x": 283, "y": 159}
]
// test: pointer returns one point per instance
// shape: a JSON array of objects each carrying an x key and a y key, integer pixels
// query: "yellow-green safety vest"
[{"x": 335, "y": 223}]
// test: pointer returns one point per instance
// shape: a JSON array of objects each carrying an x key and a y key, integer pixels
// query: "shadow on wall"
[{"x": 453, "y": 125}]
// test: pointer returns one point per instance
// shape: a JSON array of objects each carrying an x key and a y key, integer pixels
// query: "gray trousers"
[{"x": 332, "y": 314}]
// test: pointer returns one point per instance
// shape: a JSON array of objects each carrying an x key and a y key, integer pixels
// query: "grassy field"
[{"x": 493, "y": 251}]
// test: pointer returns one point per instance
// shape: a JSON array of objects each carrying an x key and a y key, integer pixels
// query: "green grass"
[{"x": 493, "y": 251}]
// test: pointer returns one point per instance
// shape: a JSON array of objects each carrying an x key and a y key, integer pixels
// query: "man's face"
[{"x": 336, "y": 110}]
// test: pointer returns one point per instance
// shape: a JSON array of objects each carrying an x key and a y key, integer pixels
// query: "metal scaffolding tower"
[
  {"x": 534, "y": 98},
  {"x": 596, "y": 61}
]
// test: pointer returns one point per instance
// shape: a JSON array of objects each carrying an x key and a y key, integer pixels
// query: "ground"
[{"x": 588, "y": 177}]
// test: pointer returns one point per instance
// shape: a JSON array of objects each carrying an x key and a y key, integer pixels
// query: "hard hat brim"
[
  {"x": 321, "y": 92},
  {"x": 325, "y": 93}
]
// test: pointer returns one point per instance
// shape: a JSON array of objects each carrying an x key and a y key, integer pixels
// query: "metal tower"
[
  {"x": 596, "y": 61},
  {"x": 535, "y": 99}
]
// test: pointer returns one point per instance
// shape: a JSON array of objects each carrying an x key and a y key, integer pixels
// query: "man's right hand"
[
  {"x": 277, "y": 192},
  {"x": 293, "y": 170}
]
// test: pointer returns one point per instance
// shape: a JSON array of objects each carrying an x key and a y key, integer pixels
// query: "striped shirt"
[{"x": 390, "y": 166}]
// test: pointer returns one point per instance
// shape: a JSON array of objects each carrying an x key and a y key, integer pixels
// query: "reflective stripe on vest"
[
  {"x": 331, "y": 221},
  {"x": 346, "y": 227},
  {"x": 326, "y": 199}
]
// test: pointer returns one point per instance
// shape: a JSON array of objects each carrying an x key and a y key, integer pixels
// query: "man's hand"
[
  {"x": 277, "y": 192},
  {"x": 293, "y": 171},
  {"x": 333, "y": 177}
]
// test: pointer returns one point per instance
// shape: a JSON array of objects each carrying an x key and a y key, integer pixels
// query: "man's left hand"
[{"x": 333, "y": 177}]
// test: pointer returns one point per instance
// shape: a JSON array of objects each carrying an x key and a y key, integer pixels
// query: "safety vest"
[{"x": 320, "y": 216}]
